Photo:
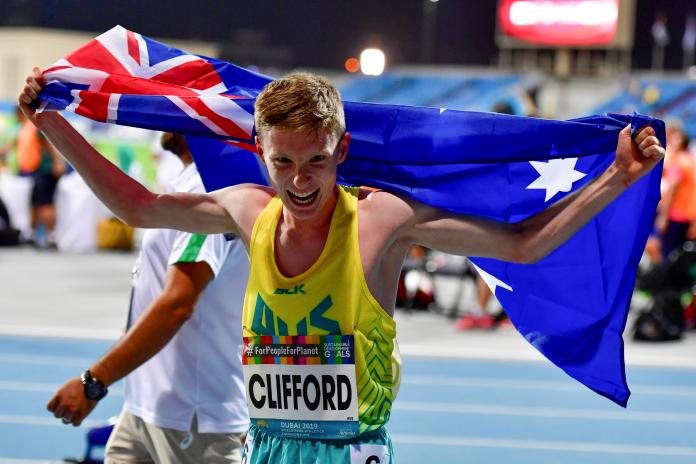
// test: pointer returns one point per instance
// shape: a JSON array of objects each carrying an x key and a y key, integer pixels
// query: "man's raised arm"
[
  {"x": 125, "y": 197},
  {"x": 537, "y": 236}
]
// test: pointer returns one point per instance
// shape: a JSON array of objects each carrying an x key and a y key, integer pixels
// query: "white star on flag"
[
  {"x": 558, "y": 175},
  {"x": 492, "y": 281}
]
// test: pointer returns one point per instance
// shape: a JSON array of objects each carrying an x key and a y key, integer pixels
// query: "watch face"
[{"x": 95, "y": 391}]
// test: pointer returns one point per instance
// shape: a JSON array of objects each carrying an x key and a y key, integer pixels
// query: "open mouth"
[{"x": 303, "y": 198}]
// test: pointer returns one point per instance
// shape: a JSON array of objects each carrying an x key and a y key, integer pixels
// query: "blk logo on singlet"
[
  {"x": 291, "y": 291},
  {"x": 266, "y": 322}
]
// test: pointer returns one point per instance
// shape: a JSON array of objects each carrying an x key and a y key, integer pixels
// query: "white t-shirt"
[{"x": 199, "y": 371}]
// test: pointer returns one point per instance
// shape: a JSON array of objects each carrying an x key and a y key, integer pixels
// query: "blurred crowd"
[
  {"x": 31, "y": 156},
  {"x": 44, "y": 203}
]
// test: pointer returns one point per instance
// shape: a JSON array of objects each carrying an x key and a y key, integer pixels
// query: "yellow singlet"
[{"x": 330, "y": 298}]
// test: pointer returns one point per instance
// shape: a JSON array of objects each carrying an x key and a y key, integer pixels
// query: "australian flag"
[{"x": 571, "y": 306}]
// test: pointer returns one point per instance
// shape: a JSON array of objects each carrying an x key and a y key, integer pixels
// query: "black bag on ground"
[
  {"x": 678, "y": 272},
  {"x": 663, "y": 321},
  {"x": 8, "y": 235}
]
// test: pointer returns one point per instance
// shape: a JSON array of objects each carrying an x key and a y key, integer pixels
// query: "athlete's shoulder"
[
  {"x": 397, "y": 211},
  {"x": 371, "y": 195},
  {"x": 377, "y": 199},
  {"x": 250, "y": 194},
  {"x": 384, "y": 208},
  {"x": 244, "y": 203}
]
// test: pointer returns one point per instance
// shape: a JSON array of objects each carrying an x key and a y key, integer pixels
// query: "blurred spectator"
[
  {"x": 9, "y": 127},
  {"x": 481, "y": 318},
  {"x": 676, "y": 218},
  {"x": 38, "y": 159},
  {"x": 503, "y": 107},
  {"x": 653, "y": 248},
  {"x": 184, "y": 390},
  {"x": 415, "y": 289},
  {"x": 168, "y": 165},
  {"x": 4, "y": 152},
  {"x": 661, "y": 39},
  {"x": 689, "y": 41},
  {"x": 5, "y": 221}
]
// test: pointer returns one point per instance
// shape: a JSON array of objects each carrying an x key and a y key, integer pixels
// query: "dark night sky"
[{"x": 320, "y": 33}]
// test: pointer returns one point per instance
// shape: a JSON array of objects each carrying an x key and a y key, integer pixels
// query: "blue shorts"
[{"x": 370, "y": 448}]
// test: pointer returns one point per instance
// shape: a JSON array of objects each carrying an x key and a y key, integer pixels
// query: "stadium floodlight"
[{"x": 372, "y": 61}]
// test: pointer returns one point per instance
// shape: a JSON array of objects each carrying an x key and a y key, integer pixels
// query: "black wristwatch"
[{"x": 94, "y": 388}]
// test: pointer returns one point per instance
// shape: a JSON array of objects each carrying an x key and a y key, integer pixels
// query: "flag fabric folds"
[{"x": 571, "y": 306}]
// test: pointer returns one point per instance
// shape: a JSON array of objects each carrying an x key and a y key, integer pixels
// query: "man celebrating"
[{"x": 325, "y": 262}]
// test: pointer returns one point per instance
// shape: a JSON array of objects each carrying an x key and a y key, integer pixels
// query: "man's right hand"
[
  {"x": 35, "y": 82},
  {"x": 70, "y": 404}
]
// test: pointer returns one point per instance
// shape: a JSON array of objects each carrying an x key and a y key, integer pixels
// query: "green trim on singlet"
[{"x": 193, "y": 247}]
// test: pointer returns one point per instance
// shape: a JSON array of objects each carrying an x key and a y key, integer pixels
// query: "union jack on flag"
[
  {"x": 123, "y": 77},
  {"x": 571, "y": 306}
]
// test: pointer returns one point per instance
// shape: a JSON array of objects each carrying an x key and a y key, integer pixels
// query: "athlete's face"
[{"x": 302, "y": 168}]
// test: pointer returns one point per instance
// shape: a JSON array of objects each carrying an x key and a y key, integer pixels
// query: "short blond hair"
[{"x": 300, "y": 101}]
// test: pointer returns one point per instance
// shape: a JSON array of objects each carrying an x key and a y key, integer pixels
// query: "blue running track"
[{"x": 448, "y": 411}]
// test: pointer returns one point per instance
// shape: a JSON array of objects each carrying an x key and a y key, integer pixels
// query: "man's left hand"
[
  {"x": 636, "y": 156},
  {"x": 69, "y": 404}
]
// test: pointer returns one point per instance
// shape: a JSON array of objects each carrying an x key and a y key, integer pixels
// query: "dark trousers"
[{"x": 674, "y": 237}]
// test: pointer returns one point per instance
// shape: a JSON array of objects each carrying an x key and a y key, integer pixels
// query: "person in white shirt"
[{"x": 184, "y": 390}]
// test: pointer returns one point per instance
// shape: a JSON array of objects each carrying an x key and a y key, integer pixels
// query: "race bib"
[
  {"x": 369, "y": 454},
  {"x": 302, "y": 386}
]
